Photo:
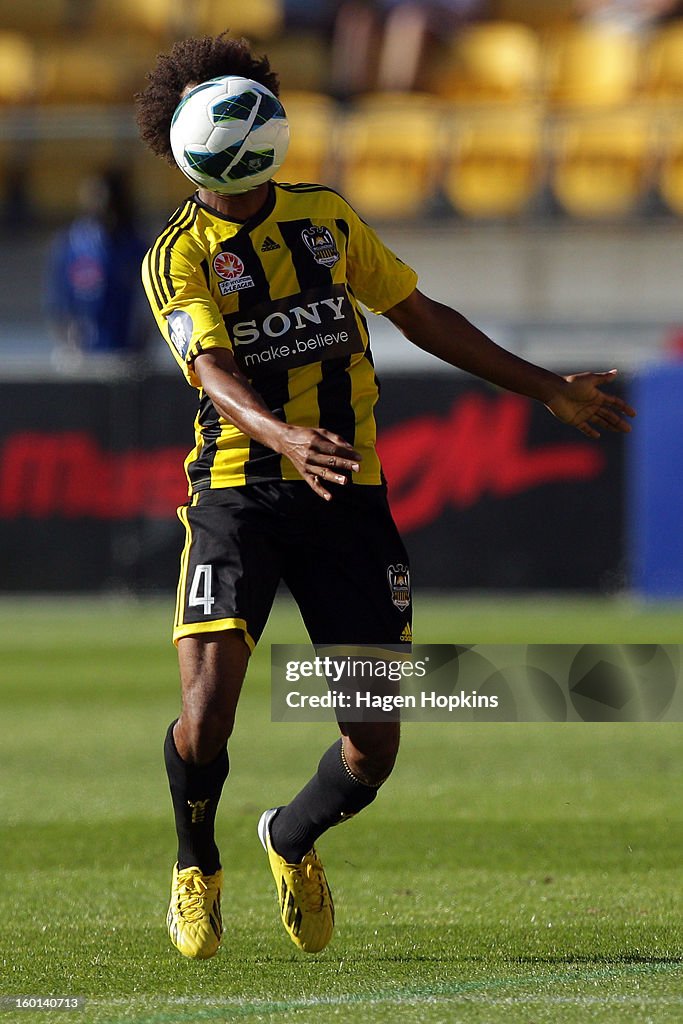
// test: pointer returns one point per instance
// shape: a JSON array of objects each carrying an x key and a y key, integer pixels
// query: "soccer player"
[{"x": 259, "y": 297}]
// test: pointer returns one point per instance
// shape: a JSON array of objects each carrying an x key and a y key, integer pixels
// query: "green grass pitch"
[{"x": 529, "y": 874}]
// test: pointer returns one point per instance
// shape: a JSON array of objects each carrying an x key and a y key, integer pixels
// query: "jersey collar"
[{"x": 251, "y": 222}]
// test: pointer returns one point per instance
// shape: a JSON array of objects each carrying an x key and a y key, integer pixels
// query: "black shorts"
[{"x": 343, "y": 561}]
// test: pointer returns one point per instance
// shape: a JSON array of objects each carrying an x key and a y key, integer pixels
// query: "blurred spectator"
[
  {"x": 385, "y": 44},
  {"x": 93, "y": 278},
  {"x": 627, "y": 15}
]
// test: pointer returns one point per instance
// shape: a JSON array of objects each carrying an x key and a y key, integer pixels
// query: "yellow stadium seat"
[
  {"x": 256, "y": 19},
  {"x": 18, "y": 68},
  {"x": 493, "y": 167},
  {"x": 312, "y": 118},
  {"x": 158, "y": 18},
  {"x": 389, "y": 165},
  {"x": 92, "y": 69},
  {"x": 306, "y": 99},
  {"x": 602, "y": 164},
  {"x": 493, "y": 61},
  {"x": 670, "y": 176},
  {"x": 73, "y": 73},
  {"x": 44, "y": 16},
  {"x": 663, "y": 64},
  {"x": 591, "y": 67}
]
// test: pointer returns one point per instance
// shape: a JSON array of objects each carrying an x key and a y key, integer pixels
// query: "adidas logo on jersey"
[
  {"x": 269, "y": 244},
  {"x": 407, "y": 634}
]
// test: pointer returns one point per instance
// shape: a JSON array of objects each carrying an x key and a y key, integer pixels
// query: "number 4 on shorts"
[{"x": 200, "y": 591}]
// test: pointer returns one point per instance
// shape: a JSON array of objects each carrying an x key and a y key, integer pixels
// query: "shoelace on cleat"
[
  {"x": 191, "y": 897},
  {"x": 311, "y": 891}
]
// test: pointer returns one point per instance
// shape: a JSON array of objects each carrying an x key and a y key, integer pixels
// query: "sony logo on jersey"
[
  {"x": 298, "y": 318},
  {"x": 316, "y": 325}
]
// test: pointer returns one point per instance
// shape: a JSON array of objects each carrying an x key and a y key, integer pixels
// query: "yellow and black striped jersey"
[{"x": 282, "y": 291}]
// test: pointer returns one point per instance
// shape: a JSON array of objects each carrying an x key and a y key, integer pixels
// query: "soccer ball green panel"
[{"x": 229, "y": 135}]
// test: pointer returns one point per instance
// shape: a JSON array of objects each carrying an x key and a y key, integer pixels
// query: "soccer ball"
[{"x": 229, "y": 135}]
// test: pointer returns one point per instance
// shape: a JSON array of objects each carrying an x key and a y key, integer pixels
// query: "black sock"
[
  {"x": 332, "y": 794},
  {"x": 195, "y": 792}
]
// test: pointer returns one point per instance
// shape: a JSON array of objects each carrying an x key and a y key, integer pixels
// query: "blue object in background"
[
  {"x": 93, "y": 285},
  {"x": 656, "y": 482},
  {"x": 93, "y": 276}
]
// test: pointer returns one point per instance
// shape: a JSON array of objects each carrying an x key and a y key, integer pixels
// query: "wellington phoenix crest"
[
  {"x": 320, "y": 242},
  {"x": 399, "y": 584}
]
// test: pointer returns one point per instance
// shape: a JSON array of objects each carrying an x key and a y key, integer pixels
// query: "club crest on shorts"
[
  {"x": 320, "y": 242},
  {"x": 399, "y": 584}
]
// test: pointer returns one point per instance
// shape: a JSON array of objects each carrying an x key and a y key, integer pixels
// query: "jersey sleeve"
[
  {"x": 183, "y": 306},
  {"x": 378, "y": 277}
]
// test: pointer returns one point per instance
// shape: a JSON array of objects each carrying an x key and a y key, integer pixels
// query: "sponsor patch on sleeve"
[{"x": 180, "y": 331}]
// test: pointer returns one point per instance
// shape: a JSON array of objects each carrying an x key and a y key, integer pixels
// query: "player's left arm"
[{"x": 577, "y": 400}]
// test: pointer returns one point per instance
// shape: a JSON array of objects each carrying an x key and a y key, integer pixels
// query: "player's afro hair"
[{"x": 192, "y": 61}]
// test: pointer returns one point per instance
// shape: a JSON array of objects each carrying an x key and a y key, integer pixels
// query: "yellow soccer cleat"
[
  {"x": 194, "y": 915},
  {"x": 306, "y": 906}
]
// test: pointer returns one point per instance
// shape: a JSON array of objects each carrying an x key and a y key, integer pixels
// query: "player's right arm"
[{"x": 317, "y": 455}]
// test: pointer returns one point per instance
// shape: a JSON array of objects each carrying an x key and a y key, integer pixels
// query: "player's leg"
[
  {"x": 351, "y": 581},
  {"x": 353, "y": 588},
  {"x": 212, "y": 669},
  {"x": 228, "y": 580}
]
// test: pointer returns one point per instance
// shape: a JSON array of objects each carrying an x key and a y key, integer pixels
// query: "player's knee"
[
  {"x": 205, "y": 732},
  {"x": 372, "y": 758},
  {"x": 377, "y": 768}
]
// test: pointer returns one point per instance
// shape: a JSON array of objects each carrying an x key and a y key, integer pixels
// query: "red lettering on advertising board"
[
  {"x": 69, "y": 475},
  {"x": 479, "y": 448}
]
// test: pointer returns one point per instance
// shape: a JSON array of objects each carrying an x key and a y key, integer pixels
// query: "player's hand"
[
  {"x": 582, "y": 404},
  {"x": 319, "y": 456}
]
